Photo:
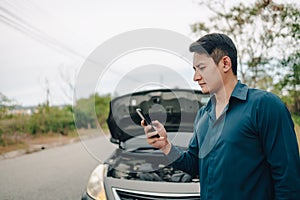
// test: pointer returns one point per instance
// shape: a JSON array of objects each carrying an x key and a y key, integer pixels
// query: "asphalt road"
[{"x": 56, "y": 173}]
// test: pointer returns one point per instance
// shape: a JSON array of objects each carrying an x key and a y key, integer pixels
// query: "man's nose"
[{"x": 197, "y": 76}]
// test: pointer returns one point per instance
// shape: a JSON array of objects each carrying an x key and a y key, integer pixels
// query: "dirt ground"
[{"x": 29, "y": 143}]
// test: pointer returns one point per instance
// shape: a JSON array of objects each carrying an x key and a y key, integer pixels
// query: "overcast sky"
[{"x": 43, "y": 39}]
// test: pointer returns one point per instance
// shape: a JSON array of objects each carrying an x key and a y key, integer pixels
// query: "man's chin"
[{"x": 205, "y": 90}]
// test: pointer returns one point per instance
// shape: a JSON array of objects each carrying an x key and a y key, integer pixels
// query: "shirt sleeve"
[
  {"x": 187, "y": 161},
  {"x": 276, "y": 130}
]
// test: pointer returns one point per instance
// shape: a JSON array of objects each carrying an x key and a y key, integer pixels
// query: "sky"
[{"x": 45, "y": 44}]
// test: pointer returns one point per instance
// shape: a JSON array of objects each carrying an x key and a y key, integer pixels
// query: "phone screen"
[
  {"x": 147, "y": 120},
  {"x": 143, "y": 116}
]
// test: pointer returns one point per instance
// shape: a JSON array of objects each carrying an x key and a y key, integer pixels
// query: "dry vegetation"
[{"x": 297, "y": 129}]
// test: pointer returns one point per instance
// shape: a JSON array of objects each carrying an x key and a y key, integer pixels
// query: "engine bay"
[{"x": 145, "y": 167}]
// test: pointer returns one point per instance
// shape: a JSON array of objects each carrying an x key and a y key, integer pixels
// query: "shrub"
[{"x": 52, "y": 119}]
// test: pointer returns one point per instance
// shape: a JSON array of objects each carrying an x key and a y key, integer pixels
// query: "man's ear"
[{"x": 226, "y": 61}]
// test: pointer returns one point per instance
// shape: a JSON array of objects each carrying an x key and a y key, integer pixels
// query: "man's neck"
[{"x": 224, "y": 93}]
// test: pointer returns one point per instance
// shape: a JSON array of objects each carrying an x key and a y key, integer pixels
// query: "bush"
[
  {"x": 52, "y": 119},
  {"x": 17, "y": 124},
  {"x": 102, "y": 109},
  {"x": 90, "y": 111},
  {"x": 13, "y": 130},
  {"x": 296, "y": 119}
]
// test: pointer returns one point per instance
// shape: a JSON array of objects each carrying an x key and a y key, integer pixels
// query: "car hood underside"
[{"x": 176, "y": 109}]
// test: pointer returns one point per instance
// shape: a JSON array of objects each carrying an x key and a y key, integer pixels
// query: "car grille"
[{"x": 121, "y": 194}]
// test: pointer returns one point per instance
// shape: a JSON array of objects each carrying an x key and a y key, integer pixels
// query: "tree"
[
  {"x": 290, "y": 82},
  {"x": 52, "y": 120},
  {"x": 265, "y": 33},
  {"x": 102, "y": 109},
  {"x": 6, "y": 104},
  {"x": 92, "y": 111},
  {"x": 84, "y": 113}
]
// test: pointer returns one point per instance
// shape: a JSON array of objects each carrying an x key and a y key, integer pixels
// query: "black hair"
[{"x": 217, "y": 45}]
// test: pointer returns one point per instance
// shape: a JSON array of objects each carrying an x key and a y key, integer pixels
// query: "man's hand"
[{"x": 162, "y": 142}]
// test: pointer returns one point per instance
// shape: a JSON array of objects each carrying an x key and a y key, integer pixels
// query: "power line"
[
  {"x": 24, "y": 27},
  {"x": 20, "y": 24}
]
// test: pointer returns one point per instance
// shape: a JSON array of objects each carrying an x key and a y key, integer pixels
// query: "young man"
[{"x": 244, "y": 144}]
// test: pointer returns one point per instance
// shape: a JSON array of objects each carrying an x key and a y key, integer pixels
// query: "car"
[{"x": 136, "y": 170}]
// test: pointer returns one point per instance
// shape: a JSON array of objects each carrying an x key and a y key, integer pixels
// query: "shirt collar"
[{"x": 240, "y": 91}]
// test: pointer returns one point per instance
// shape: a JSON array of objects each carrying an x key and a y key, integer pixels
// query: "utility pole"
[{"x": 47, "y": 93}]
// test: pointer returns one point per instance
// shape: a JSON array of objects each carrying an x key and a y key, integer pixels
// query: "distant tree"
[
  {"x": 290, "y": 82},
  {"x": 84, "y": 113},
  {"x": 265, "y": 33},
  {"x": 102, "y": 109},
  {"x": 92, "y": 111},
  {"x": 6, "y": 104},
  {"x": 52, "y": 120}
]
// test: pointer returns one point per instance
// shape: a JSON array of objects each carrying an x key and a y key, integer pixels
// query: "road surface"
[{"x": 56, "y": 173}]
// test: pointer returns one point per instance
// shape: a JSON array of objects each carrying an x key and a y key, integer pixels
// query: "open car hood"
[{"x": 175, "y": 108}]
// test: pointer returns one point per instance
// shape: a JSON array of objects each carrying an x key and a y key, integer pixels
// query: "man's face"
[{"x": 207, "y": 73}]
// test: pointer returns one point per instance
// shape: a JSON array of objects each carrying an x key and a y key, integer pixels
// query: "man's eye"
[{"x": 199, "y": 68}]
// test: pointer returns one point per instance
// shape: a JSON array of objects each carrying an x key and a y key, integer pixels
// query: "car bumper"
[
  {"x": 120, "y": 189},
  {"x": 148, "y": 190}
]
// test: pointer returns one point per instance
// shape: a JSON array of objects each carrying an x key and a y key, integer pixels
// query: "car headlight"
[{"x": 95, "y": 187}]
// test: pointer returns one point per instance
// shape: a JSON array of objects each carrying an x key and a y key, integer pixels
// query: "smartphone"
[{"x": 147, "y": 120}]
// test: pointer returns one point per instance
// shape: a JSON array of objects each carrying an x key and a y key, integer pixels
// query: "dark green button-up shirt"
[{"x": 249, "y": 152}]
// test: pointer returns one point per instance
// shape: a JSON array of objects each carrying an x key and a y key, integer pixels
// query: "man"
[{"x": 244, "y": 144}]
